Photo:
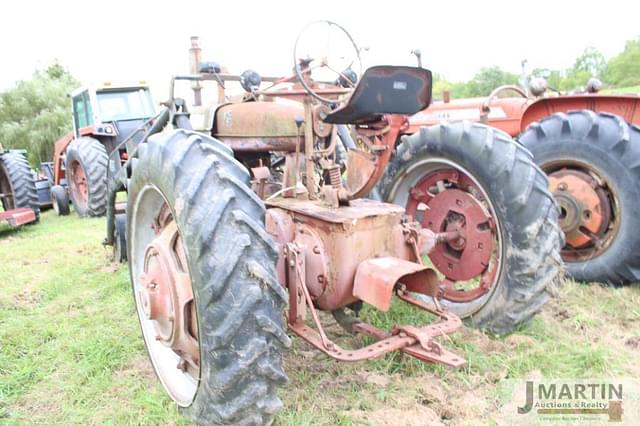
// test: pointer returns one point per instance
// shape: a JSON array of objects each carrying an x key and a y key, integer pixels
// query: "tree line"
[
  {"x": 36, "y": 112},
  {"x": 621, "y": 71}
]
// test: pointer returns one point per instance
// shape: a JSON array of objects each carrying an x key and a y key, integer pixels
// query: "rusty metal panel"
[
  {"x": 625, "y": 106},
  {"x": 376, "y": 278},
  {"x": 258, "y": 120},
  {"x": 17, "y": 217}
]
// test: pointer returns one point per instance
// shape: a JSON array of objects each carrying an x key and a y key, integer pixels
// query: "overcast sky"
[{"x": 131, "y": 40}]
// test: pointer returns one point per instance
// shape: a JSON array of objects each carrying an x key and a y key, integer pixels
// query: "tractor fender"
[
  {"x": 377, "y": 277},
  {"x": 625, "y": 106}
]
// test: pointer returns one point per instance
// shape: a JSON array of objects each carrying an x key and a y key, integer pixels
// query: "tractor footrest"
[{"x": 17, "y": 217}]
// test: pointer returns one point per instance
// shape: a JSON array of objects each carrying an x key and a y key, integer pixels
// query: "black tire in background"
[
  {"x": 16, "y": 181},
  {"x": 92, "y": 156},
  {"x": 525, "y": 212},
  {"x": 60, "y": 200},
  {"x": 120, "y": 239},
  {"x": 231, "y": 261},
  {"x": 604, "y": 145}
]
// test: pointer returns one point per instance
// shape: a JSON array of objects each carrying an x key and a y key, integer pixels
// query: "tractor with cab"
[{"x": 103, "y": 117}]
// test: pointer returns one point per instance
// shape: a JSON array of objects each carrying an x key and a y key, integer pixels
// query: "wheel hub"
[
  {"x": 79, "y": 179},
  {"x": 449, "y": 201},
  {"x": 585, "y": 210},
  {"x": 166, "y": 296},
  {"x": 456, "y": 210}
]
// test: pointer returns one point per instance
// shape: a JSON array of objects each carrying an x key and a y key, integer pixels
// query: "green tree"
[
  {"x": 624, "y": 69},
  {"x": 488, "y": 79},
  {"x": 591, "y": 61},
  {"x": 36, "y": 112},
  {"x": 554, "y": 77}
]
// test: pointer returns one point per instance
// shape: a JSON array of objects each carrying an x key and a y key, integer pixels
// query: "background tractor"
[
  {"x": 17, "y": 189},
  {"x": 102, "y": 119},
  {"x": 589, "y": 146},
  {"x": 263, "y": 207}
]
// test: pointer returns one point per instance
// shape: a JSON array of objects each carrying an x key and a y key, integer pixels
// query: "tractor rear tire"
[
  {"x": 17, "y": 180},
  {"x": 606, "y": 151},
  {"x": 231, "y": 262},
  {"x": 86, "y": 169},
  {"x": 60, "y": 200},
  {"x": 528, "y": 238}
]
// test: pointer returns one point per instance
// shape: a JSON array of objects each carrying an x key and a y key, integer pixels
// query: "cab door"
[{"x": 82, "y": 113}]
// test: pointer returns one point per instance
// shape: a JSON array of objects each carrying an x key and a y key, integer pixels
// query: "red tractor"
[
  {"x": 262, "y": 212},
  {"x": 588, "y": 145},
  {"x": 102, "y": 119},
  {"x": 17, "y": 189}
]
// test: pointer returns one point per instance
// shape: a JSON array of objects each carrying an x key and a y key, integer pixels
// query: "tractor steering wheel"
[{"x": 328, "y": 63}]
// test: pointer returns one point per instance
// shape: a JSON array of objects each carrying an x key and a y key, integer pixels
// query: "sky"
[{"x": 132, "y": 40}]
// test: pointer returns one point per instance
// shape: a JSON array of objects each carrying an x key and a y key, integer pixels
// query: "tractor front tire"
[
  {"x": 230, "y": 259},
  {"x": 593, "y": 163},
  {"x": 86, "y": 169},
  {"x": 478, "y": 178},
  {"x": 16, "y": 182},
  {"x": 60, "y": 200}
]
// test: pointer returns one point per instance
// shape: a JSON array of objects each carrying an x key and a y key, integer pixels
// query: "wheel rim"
[
  {"x": 445, "y": 197},
  {"x": 164, "y": 296},
  {"x": 589, "y": 208},
  {"x": 78, "y": 184}
]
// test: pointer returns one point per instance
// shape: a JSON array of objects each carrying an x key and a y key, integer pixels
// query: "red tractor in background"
[
  {"x": 17, "y": 189},
  {"x": 589, "y": 146},
  {"x": 102, "y": 119}
]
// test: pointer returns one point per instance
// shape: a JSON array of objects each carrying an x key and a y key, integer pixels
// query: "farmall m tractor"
[
  {"x": 264, "y": 211},
  {"x": 103, "y": 118},
  {"x": 588, "y": 144},
  {"x": 17, "y": 189}
]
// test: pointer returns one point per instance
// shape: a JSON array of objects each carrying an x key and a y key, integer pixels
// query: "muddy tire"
[
  {"x": 86, "y": 169},
  {"x": 16, "y": 181},
  {"x": 514, "y": 191},
  {"x": 604, "y": 152},
  {"x": 231, "y": 262},
  {"x": 60, "y": 200}
]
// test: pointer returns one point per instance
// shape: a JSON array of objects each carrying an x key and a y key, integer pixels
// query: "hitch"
[{"x": 415, "y": 341}]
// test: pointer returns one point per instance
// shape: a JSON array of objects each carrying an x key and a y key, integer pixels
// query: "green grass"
[{"x": 71, "y": 351}]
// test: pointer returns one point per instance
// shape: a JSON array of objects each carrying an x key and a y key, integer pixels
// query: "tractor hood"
[
  {"x": 257, "y": 120},
  {"x": 258, "y": 126}
]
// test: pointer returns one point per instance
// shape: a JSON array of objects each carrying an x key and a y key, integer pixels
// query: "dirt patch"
[
  {"x": 633, "y": 342},
  {"x": 140, "y": 367},
  {"x": 109, "y": 268},
  {"x": 415, "y": 415},
  {"x": 520, "y": 341},
  {"x": 26, "y": 299},
  {"x": 40, "y": 404}
]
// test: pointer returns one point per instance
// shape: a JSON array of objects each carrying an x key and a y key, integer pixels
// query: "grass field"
[{"x": 71, "y": 351}]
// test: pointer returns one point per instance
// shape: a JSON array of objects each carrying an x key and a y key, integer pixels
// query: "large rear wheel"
[
  {"x": 203, "y": 274},
  {"x": 17, "y": 187},
  {"x": 593, "y": 163},
  {"x": 475, "y": 183},
  {"x": 86, "y": 168}
]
